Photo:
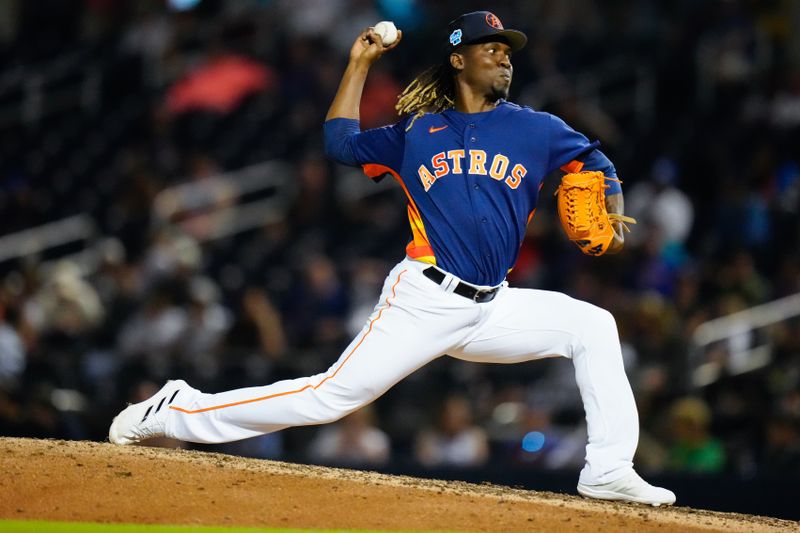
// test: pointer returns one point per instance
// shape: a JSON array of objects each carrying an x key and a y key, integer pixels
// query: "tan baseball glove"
[{"x": 582, "y": 209}]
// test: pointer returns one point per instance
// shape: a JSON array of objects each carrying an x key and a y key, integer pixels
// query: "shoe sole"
[{"x": 616, "y": 496}]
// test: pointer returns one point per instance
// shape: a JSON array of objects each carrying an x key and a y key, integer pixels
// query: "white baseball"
[{"x": 387, "y": 30}]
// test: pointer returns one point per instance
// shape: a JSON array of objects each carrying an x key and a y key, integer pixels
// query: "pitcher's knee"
[
  {"x": 605, "y": 318},
  {"x": 591, "y": 314},
  {"x": 333, "y": 405},
  {"x": 596, "y": 322},
  {"x": 606, "y": 325}
]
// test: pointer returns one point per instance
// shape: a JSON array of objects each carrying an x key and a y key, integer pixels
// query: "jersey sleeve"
[
  {"x": 347, "y": 144},
  {"x": 566, "y": 144}
]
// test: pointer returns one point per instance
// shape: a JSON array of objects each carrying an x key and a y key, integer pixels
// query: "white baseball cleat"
[
  {"x": 630, "y": 488},
  {"x": 145, "y": 420}
]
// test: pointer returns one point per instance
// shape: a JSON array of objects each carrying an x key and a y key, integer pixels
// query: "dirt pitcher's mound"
[{"x": 94, "y": 482}]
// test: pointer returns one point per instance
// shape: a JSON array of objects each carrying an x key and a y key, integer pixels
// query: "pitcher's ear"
[{"x": 457, "y": 61}]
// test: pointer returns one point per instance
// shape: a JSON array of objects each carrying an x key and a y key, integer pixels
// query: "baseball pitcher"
[{"x": 471, "y": 165}]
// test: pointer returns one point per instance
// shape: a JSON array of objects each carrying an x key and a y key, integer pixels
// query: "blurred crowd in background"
[{"x": 131, "y": 112}]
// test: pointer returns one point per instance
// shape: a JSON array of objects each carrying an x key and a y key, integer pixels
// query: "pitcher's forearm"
[
  {"x": 347, "y": 101},
  {"x": 615, "y": 203},
  {"x": 367, "y": 48}
]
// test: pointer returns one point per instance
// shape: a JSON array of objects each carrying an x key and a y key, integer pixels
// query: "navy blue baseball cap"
[{"x": 480, "y": 26}]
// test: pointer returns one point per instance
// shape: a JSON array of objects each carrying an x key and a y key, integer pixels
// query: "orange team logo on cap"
[{"x": 493, "y": 21}]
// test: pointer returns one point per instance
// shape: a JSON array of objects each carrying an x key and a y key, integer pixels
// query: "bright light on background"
[
  {"x": 533, "y": 441},
  {"x": 182, "y": 5}
]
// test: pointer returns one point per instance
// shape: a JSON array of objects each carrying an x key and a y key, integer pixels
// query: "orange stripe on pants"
[{"x": 318, "y": 385}]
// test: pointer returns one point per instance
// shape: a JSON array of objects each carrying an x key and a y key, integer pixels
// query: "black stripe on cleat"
[
  {"x": 173, "y": 396},
  {"x": 146, "y": 414},
  {"x": 160, "y": 404}
]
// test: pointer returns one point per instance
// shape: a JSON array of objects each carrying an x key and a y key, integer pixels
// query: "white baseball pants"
[{"x": 417, "y": 321}]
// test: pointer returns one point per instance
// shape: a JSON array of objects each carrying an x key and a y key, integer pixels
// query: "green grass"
[{"x": 23, "y": 526}]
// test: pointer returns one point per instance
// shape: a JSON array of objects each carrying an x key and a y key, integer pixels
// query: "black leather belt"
[{"x": 463, "y": 289}]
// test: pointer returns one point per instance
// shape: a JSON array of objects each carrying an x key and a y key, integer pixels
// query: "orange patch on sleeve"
[{"x": 572, "y": 166}]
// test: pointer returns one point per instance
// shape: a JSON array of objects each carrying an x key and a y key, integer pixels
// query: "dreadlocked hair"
[{"x": 432, "y": 91}]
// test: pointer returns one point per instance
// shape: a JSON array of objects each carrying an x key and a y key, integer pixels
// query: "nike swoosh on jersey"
[{"x": 434, "y": 130}]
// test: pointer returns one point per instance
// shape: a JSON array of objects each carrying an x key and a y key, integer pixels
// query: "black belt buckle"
[
  {"x": 462, "y": 289},
  {"x": 484, "y": 296}
]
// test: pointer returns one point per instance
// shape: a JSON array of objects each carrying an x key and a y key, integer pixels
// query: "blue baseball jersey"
[{"x": 472, "y": 179}]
